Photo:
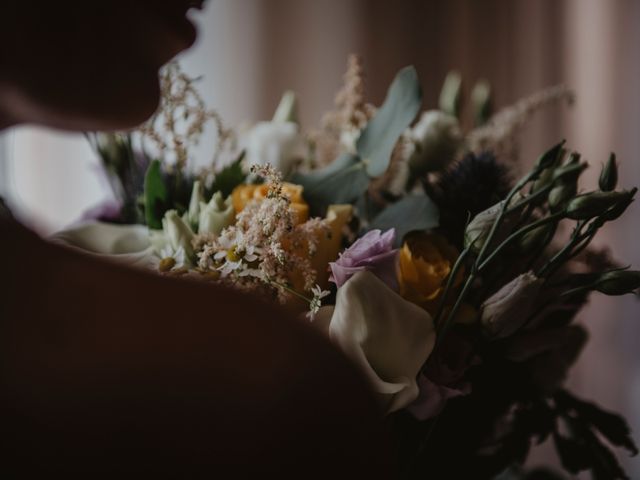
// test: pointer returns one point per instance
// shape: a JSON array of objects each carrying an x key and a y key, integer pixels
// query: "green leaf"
[
  {"x": 611, "y": 425},
  {"x": 379, "y": 137},
  {"x": 228, "y": 178},
  {"x": 413, "y": 212},
  {"x": 155, "y": 196},
  {"x": 341, "y": 182}
]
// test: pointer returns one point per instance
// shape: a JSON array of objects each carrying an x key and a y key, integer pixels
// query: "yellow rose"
[
  {"x": 243, "y": 194},
  {"x": 425, "y": 261},
  {"x": 329, "y": 247}
]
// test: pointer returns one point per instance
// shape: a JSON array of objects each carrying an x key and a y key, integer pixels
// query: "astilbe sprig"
[
  {"x": 181, "y": 118},
  {"x": 266, "y": 250}
]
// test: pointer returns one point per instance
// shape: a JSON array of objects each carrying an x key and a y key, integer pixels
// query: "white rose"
[
  {"x": 436, "y": 138},
  {"x": 389, "y": 338},
  {"x": 276, "y": 143}
]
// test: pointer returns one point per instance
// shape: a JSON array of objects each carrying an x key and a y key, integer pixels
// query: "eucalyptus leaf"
[
  {"x": 341, "y": 182},
  {"x": 413, "y": 212},
  {"x": 155, "y": 196},
  {"x": 379, "y": 137}
]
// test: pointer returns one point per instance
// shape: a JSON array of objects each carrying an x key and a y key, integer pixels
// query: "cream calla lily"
[
  {"x": 388, "y": 337},
  {"x": 129, "y": 244}
]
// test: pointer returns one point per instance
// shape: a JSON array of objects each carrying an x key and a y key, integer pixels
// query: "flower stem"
[
  {"x": 452, "y": 314},
  {"x": 494, "y": 228},
  {"x": 289, "y": 289},
  {"x": 517, "y": 234},
  {"x": 449, "y": 286}
]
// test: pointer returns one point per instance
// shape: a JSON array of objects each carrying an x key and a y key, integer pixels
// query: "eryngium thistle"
[{"x": 471, "y": 186}]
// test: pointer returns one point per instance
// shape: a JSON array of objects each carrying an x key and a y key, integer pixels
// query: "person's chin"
[
  {"x": 128, "y": 110},
  {"x": 103, "y": 107}
]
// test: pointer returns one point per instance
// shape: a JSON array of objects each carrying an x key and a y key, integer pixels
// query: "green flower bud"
[
  {"x": 451, "y": 93},
  {"x": 618, "y": 282},
  {"x": 536, "y": 239},
  {"x": 561, "y": 194},
  {"x": 589, "y": 205},
  {"x": 609, "y": 175},
  {"x": 546, "y": 177},
  {"x": 478, "y": 229},
  {"x": 287, "y": 110},
  {"x": 436, "y": 139},
  {"x": 617, "y": 210},
  {"x": 216, "y": 215},
  {"x": 178, "y": 233},
  {"x": 194, "y": 204},
  {"x": 550, "y": 156},
  {"x": 570, "y": 171}
]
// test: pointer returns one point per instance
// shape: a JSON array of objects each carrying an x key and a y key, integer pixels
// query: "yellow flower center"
[{"x": 233, "y": 255}]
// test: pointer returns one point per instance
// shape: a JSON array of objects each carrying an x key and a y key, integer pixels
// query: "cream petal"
[
  {"x": 387, "y": 336},
  {"x": 129, "y": 244}
]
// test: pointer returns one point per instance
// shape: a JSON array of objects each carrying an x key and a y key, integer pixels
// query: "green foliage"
[
  {"x": 155, "y": 196},
  {"x": 341, "y": 182},
  {"x": 413, "y": 212},
  {"x": 379, "y": 137},
  {"x": 228, "y": 178},
  {"x": 348, "y": 177}
]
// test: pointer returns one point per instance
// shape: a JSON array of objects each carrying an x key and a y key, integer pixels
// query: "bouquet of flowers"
[{"x": 451, "y": 283}]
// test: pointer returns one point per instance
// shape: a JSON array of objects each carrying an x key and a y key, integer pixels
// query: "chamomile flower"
[
  {"x": 236, "y": 255},
  {"x": 316, "y": 301},
  {"x": 170, "y": 258}
]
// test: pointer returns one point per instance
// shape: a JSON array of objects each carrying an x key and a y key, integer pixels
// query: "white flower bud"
[
  {"x": 178, "y": 233},
  {"x": 436, "y": 139},
  {"x": 287, "y": 110},
  {"x": 508, "y": 309},
  {"x": 194, "y": 204},
  {"x": 216, "y": 215}
]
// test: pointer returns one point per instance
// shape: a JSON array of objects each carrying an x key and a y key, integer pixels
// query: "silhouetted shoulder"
[{"x": 111, "y": 366}]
